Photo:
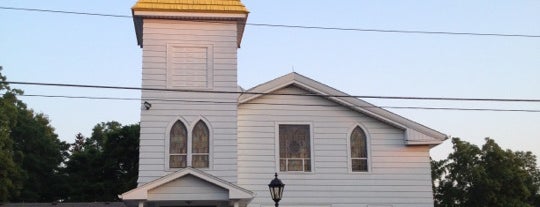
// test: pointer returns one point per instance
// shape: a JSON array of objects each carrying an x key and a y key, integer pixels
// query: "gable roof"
[
  {"x": 141, "y": 192},
  {"x": 415, "y": 133}
]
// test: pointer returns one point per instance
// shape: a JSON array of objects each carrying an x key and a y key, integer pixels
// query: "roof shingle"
[{"x": 211, "y": 6}]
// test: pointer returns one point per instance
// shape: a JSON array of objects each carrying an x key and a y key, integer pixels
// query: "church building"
[{"x": 207, "y": 142}]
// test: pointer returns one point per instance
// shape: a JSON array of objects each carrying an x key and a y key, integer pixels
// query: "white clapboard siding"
[
  {"x": 188, "y": 188},
  {"x": 202, "y": 57},
  {"x": 398, "y": 175}
]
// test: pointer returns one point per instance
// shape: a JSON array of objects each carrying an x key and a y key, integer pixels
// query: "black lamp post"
[{"x": 276, "y": 189}]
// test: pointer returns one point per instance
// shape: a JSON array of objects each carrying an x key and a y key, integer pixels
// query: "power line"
[
  {"x": 279, "y": 94},
  {"x": 64, "y": 12},
  {"x": 299, "y": 26},
  {"x": 394, "y": 31},
  {"x": 284, "y": 104},
  {"x": 81, "y": 97}
]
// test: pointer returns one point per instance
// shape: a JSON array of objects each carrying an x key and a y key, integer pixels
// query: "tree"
[
  {"x": 104, "y": 165},
  {"x": 10, "y": 172},
  {"x": 78, "y": 145},
  {"x": 35, "y": 166},
  {"x": 42, "y": 153},
  {"x": 31, "y": 150},
  {"x": 487, "y": 176},
  {"x": 121, "y": 153}
]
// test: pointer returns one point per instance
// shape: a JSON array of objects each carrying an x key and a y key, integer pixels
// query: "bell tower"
[{"x": 189, "y": 63}]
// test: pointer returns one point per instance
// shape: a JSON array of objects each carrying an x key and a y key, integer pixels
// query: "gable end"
[{"x": 415, "y": 133}]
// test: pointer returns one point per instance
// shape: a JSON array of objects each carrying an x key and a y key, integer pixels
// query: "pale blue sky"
[{"x": 62, "y": 48}]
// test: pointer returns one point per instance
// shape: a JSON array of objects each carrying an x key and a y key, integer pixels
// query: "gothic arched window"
[
  {"x": 359, "y": 155},
  {"x": 200, "y": 146},
  {"x": 178, "y": 146}
]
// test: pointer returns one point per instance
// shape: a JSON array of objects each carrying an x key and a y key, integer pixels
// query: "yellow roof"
[{"x": 212, "y": 6}]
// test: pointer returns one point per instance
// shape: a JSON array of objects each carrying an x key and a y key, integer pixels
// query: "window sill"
[
  {"x": 359, "y": 172},
  {"x": 181, "y": 168},
  {"x": 295, "y": 172}
]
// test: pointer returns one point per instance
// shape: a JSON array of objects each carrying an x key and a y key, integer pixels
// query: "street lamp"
[{"x": 276, "y": 189}]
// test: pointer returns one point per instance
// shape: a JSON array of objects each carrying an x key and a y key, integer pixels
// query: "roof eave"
[
  {"x": 411, "y": 128},
  {"x": 139, "y": 15}
]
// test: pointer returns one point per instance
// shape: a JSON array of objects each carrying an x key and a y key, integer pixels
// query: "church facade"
[{"x": 205, "y": 141}]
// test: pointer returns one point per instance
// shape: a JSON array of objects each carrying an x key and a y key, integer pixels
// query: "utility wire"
[
  {"x": 278, "y": 94},
  {"x": 283, "y": 104},
  {"x": 394, "y": 31},
  {"x": 64, "y": 12},
  {"x": 299, "y": 26}
]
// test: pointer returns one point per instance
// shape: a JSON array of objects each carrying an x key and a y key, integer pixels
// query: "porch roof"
[{"x": 142, "y": 192}]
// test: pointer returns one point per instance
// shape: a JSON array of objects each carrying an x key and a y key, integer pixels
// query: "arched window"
[
  {"x": 178, "y": 146},
  {"x": 359, "y": 161},
  {"x": 200, "y": 146}
]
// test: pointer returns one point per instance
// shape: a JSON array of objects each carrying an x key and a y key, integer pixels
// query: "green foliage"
[
  {"x": 487, "y": 176},
  {"x": 31, "y": 153},
  {"x": 105, "y": 164},
  {"x": 35, "y": 166},
  {"x": 42, "y": 155},
  {"x": 10, "y": 172}
]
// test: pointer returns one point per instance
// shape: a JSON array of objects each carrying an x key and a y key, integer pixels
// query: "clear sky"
[{"x": 64, "y": 48}]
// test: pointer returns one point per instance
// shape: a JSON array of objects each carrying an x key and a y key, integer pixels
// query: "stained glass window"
[
  {"x": 294, "y": 148},
  {"x": 200, "y": 145},
  {"x": 359, "y": 154},
  {"x": 178, "y": 146}
]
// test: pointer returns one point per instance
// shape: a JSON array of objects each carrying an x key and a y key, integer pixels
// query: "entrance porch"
[{"x": 188, "y": 187}]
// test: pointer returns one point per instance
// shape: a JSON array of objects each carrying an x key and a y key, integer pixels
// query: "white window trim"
[
  {"x": 276, "y": 151},
  {"x": 368, "y": 145},
  {"x": 189, "y": 128}
]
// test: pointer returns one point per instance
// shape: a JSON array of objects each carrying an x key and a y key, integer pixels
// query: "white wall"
[
  {"x": 398, "y": 176},
  {"x": 188, "y": 188},
  {"x": 220, "y": 39}
]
